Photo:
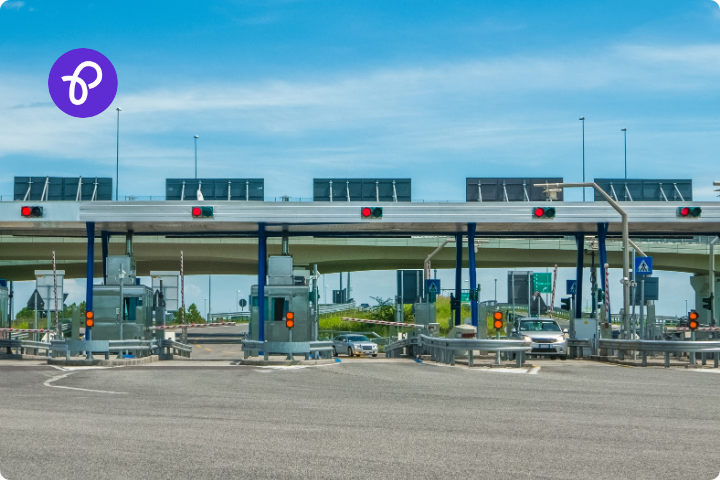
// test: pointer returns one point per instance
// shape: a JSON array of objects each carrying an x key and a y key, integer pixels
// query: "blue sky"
[{"x": 291, "y": 90}]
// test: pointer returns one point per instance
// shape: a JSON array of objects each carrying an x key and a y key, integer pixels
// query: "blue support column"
[
  {"x": 580, "y": 241},
  {"x": 458, "y": 276},
  {"x": 471, "y": 266},
  {"x": 90, "y": 227},
  {"x": 602, "y": 237},
  {"x": 105, "y": 236},
  {"x": 262, "y": 253}
]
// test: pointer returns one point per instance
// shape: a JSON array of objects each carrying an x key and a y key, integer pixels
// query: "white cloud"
[{"x": 16, "y": 5}]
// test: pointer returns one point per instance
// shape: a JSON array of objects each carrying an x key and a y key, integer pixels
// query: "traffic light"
[
  {"x": 498, "y": 320},
  {"x": 202, "y": 212},
  {"x": 371, "y": 212},
  {"x": 689, "y": 212},
  {"x": 708, "y": 302},
  {"x": 565, "y": 304},
  {"x": 89, "y": 319},
  {"x": 693, "y": 320},
  {"x": 543, "y": 212},
  {"x": 289, "y": 319},
  {"x": 31, "y": 212}
]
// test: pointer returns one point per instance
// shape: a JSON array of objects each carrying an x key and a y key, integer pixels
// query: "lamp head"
[
  {"x": 119, "y": 109},
  {"x": 582, "y": 118}
]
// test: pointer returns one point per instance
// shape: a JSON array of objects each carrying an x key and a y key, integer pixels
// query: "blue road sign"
[
  {"x": 571, "y": 287},
  {"x": 432, "y": 286},
  {"x": 643, "y": 265}
]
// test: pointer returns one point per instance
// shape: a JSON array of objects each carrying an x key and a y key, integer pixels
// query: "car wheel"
[
  {"x": 350, "y": 354},
  {"x": 334, "y": 352},
  {"x": 553, "y": 357},
  {"x": 563, "y": 357},
  {"x": 374, "y": 354}
]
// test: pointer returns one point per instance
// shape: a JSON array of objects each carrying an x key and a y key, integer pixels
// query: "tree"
[{"x": 193, "y": 315}]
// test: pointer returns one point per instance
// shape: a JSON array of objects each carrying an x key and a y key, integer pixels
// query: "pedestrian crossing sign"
[{"x": 643, "y": 265}]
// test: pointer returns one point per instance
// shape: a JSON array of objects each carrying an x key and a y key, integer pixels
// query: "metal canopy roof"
[{"x": 321, "y": 218}]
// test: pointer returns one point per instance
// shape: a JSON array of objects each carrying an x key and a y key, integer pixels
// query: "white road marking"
[
  {"x": 534, "y": 371},
  {"x": 49, "y": 381}
]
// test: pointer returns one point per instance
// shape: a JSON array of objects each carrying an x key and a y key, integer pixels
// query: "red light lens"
[
  {"x": 25, "y": 211},
  {"x": 366, "y": 212},
  {"x": 685, "y": 211},
  {"x": 196, "y": 212},
  {"x": 539, "y": 212}
]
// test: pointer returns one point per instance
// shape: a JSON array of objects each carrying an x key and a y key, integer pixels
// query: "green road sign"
[
  {"x": 542, "y": 282},
  {"x": 464, "y": 296}
]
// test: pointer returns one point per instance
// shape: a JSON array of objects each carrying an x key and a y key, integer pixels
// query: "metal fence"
[
  {"x": 317, "y": 349},
  {"x": 648, "y": 347}
]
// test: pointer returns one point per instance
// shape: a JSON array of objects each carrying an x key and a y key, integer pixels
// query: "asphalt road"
[{"x": 362, "y": 418}]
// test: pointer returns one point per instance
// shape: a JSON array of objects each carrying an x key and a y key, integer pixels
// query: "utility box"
[
  {"x": 117, "y": 262},
  {"x": 280, "y": 270},
  {"x": 4, "y": 307},
  {"x": 425, "y": 314},
  {"x": 137, "y": 312},
  {"x": 585, "y": 329},
  {"x": 170, "y": 288}
]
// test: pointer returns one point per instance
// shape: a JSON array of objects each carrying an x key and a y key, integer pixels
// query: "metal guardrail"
[
  {"x": 649, "y": 346},
  {"x": 320, "y": 348},
  {"x": 446, "y": 349},
  {"x": 169, "y": 348}
]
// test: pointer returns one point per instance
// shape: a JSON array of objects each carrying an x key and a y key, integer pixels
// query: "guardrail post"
[
  {"x": 519, "y": 359},
  {"x": 692, "y": 354},
  {"x": 715, "y": 357},
  {"x": 644, "y": 358},
  {"x": 470, "y": 358},
  {"x": 452, "y": 357},
  {"x": 667, "y": 359}
]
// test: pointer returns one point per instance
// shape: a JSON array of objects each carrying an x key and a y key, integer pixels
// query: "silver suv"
[
  {"x": 545, "y": 334},
  {"x": 354, "y": 345}
]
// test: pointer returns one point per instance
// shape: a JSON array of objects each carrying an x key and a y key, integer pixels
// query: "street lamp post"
[
  {"x": 496, "y": 290},
  {"x": 237, "y": 299},
  {"x": 624, "y": 130},
  {"x": 582, "y": 119},
  {"x": 117, "y": 152},
  {"x": 196, "y": 137},
  {"x": 625, "y": 239}
]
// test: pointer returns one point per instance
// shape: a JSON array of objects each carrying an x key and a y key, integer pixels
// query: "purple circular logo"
[{"x": 83, "y": 83}]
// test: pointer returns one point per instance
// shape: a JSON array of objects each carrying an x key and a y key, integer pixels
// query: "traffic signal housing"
[
  {"x": 289, "y": 319},
  {"x": 31, "y": 212},
  {"x": 89, "y": 319},
  {"x": 498, "y": 320},
  {"x": 202, "y": 212},
  {"x": 565, "y": 304},
  {"x": 708, "y": 302},
  {"x": 693, "y": 320},
  {"x": 543, "y": 212},
  {"x": 689, "y": 212},
  {"x": 371, "y": 212}
]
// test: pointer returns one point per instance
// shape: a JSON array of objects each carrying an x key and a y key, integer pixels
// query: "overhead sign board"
[
  {"x": 240, "y": 189},
  {"x": 643, "y": 265},
  {"x": 362, "y": 190},
  {"x": 508, "y": 189},
  {"x": 641, "y": 190},
  {"x": 62, "y": 188}
]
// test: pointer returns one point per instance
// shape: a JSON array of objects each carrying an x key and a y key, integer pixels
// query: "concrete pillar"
[
  {"x": 699, "y": 283},
  {"x": 262, "y": 253},
  {"x": 90, "y": 227}
]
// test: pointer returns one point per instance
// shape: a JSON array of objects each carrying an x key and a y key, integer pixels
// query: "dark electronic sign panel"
[
  {"x": 362, "y": 190},
  {"x": 509, "y": 189},
  {"x": 239, "y": 189},
  {"x": 640, "y": 190},
  {"x": 62, "y": 188}
]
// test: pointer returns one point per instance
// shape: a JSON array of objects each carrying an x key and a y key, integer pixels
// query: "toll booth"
[
  {"x": 284, "y": 293},
  {"x": 137, "y": 303}
]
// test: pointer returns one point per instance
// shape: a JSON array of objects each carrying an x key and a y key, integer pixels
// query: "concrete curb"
[
  {"x": 264, "y": 363},
  {"x": 112, "y": 362},
  {"x": 14, "y": 356}
]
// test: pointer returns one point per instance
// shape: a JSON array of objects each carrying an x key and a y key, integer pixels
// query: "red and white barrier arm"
[
  {"x": 27, "y": 330},
  {"x": 699, "y": 329},
  {"x": 194, "y": 325},
  {"x": 379, "y": 322}
]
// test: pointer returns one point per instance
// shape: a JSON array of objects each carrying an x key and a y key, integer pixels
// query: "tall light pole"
[
  {"x": 196, "y": 137},
  {"x": 237, "y": 299},
  {"x": 496, "y": 290},
  {"x": 625, "y": 239},
  {"x": 582, "y": 119},
  {"x": 117, "y": 160},
  {"x": 624, "y": 130}
]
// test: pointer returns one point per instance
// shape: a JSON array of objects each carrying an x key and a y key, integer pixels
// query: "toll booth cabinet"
[
  {"x": 284, "y": 293},
  {"x": 136, "y": 309}
]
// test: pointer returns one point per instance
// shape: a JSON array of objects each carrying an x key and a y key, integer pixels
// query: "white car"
[
  {"x": 354, "y": 345},
  {"x": 545, "y": 334}
]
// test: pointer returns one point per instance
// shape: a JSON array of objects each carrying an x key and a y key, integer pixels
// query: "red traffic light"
[
  {"x": 27, "y": 211},
  {"x": 89, "y": 319},
  {"x": 539, "y": 212},
  {"x": 694, "y": 320},
  {"x": 371, "y": 212},
  {"x": 289, "y": 319},
  {"x": 196, "y": 211},
  {"x": 543, "y": 212},
  {"x": 689, "y": 212},
  {"x": 684, "y": 211},
  {"x": 366, "y": 212}
]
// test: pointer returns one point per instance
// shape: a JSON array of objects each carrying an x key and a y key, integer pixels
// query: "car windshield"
[
  {"x": 358, "y": 338},
  {"x": 539, "y": 326}
]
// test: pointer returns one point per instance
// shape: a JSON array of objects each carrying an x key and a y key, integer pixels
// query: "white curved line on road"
[{"x": 49, "y": 381}]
